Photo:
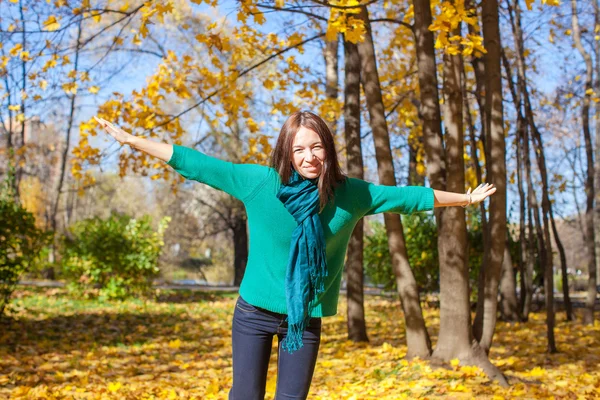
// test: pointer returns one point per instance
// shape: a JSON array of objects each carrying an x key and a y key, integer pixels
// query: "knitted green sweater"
[{"x": 270, "y": 225}]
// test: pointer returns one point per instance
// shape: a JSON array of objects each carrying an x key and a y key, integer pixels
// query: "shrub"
[
  {"x": 421, "y": 244},
  {"x": 420, "y": 234},
  {"x": 20, "y": 240},
  {"x": 118, "y": 255}
]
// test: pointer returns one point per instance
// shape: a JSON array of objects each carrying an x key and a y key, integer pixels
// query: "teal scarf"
[{"x": 307, "y": 265}]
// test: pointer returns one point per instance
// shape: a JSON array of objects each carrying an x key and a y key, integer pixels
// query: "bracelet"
[{"x": 469, "y": 203}]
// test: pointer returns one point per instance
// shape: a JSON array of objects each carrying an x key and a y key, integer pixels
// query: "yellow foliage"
[
  {"x": 342, "y": 21},
  {"x": 16, "y": 50},
  {"x": 127, "y": 353},
  {"x": 51, "y": 24},
  {"x": 445, "y": 23},
  {"x": 33, "y": 198}
]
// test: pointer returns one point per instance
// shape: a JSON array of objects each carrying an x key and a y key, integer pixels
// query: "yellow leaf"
[
  {"x": 16, "y": 50},
  {"x": 114, "y": 386},
  {"x": 94, "y": 89},
  {"x": 15, "y": 107},
  {"x": 455, "y": 362},
  {"x": 20, "y": 117},
  {"x": 51, "y": 24},
  {"x": 269, "y": 84},
  {"x": 175, "y": 344}
]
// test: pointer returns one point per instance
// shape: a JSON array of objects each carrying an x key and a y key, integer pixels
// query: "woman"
[{"x": 299, "y": 232}]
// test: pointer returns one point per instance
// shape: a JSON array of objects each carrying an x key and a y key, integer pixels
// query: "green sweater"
[{"x": 270, "y": 225}]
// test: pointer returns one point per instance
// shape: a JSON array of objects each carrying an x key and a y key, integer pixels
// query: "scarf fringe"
[{"x": 293, "y": 340}]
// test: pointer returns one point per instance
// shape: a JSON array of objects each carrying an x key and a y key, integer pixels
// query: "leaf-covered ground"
[{"x": 179, "y": 347}]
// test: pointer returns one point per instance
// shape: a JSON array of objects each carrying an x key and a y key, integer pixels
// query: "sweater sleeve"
[
  {"x": 373, "y": 199},
  {"x": 238, "y": 180}
]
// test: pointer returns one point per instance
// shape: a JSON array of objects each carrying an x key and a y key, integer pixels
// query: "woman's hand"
[
  {"x": 481, "y": 192},
  {"x": 119, "y": 134},
  {"x": 449, "y": 199}
]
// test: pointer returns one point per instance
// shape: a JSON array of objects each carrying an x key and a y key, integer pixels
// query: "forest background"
[{"x": 442, "y": 94}]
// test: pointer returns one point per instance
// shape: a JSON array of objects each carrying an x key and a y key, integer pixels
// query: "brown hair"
[{"x": 331, "y": 174}]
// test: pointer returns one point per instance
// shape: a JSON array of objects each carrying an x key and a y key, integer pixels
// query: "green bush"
[
  {"x": 420, "y": 235},
  {"x": 20, "y": 240},
  {"x": 117, "y": 255}
]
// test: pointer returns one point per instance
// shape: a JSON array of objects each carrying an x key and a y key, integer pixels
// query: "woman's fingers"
[{"x": 117, "y": 133}]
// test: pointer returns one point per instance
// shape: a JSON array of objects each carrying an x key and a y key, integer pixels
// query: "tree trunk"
[
  {"x": 531, "y": 202},
  {"x": 330, "y": 53},
  {"x": 544, "y": 241},
  {"x": 521, "y": 127},
  {"x": 414, "y": 179},
  {"x": 509, "y": 307},
  {"x": 357, "y": 328},
  {"x": 589, "y": 237},
  {"x": 455, "y": 337},
  {"x": 49, "y": 272},
  {"x": 479, "y": 71},
  {"x": 597, "y": 138},
  {"x": 240, "y": 247},
  {"x": 563, "y": 270},
  {"x": 417, "y": 338},
  {"x": 496, "y": 171}
]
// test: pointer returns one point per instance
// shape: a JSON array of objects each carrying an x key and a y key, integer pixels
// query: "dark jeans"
[{"x": 252, "y": 334}]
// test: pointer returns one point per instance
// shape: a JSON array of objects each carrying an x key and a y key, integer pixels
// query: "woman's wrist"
[
  {"x": 468, "y": 200},
  {"x": 131, "y": 141}
]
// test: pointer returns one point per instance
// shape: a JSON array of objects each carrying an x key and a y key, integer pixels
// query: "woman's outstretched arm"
[
  {"x": 238, "y": 180},
  {"x": 448, "y": 199},
  {"x": 163, "y": 151}
]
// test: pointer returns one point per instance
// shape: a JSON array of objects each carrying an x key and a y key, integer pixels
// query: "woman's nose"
[{"x": 309, "y": 156}]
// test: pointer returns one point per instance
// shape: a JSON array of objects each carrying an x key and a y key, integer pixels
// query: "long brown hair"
[{"x": 331, "y": 173}]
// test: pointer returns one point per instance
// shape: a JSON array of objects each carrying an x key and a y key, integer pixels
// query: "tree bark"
[
  {"x": 414, "y": 179},
  {"x": 455, "y": 337},
  {"x": 526, "y": 288},
  {"x": 330, "y": 53},
  {"x": 597, "y": 139},
  {"x": 240, "y": 246},
  {"x": 509, "y": 307},
  {"x": 357, "y": 328},
  {"x": 480, "y": 84},
  {"x": 49, "y": 272},
  {"x": 417, "y": 338},
  {"x": 496, "y": 171},
  {"x": 589, "y": 237},
  {"x": 544, "y": 241},
  {"x": 563, "y": 270}
]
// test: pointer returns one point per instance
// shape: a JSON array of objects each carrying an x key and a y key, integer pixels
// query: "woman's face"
[{"x": 308, "y": 153}]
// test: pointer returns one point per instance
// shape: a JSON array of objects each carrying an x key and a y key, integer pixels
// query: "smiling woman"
[
  {"x": 301, "y": 213},
  {"x": 308, "y": 153}
]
